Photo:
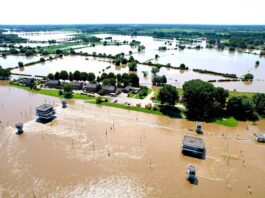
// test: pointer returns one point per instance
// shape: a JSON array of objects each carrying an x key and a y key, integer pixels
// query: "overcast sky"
[{"x": 133, "y": 11}]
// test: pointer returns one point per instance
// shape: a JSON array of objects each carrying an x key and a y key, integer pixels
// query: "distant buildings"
[
  {"x": 77, "y": 85},
  {"x": 93, "y": 88},
  {"x": 53, "y": 84},
  {"x": 27, "y": 82},
  {"x": 108, "y": 89}
]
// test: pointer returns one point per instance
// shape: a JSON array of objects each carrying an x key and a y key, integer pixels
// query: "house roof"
[
  {"x": 76, "y": 83},
  {"x": 55, "y": 82},
  {"x": 109, "y": 88},
  {"x": 193, "y": 142},
  {"x": 44, "y": 107},
  {"x": 90, "y": 85}
]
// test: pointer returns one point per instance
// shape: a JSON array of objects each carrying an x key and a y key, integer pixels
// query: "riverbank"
[{"x": 226, "y": 121}]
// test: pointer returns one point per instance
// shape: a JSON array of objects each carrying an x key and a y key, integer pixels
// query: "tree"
[
  {"x": 71, "y": 76},
  {"x": 20, "y": 64},
  {"x": 249, "y": 77},
  {"x": 168, "y": 95},
  {"x": 50, "y": 76},
  {"x": 84, "y": 76},
  {"x": 57, "y": 76},
  {"x": 182, "y": 66},
  {"x": 109, "y": 81},
  {"x": 159, "y": 80},
  {"x": 91, "y": 76},
  {"x": 76, "y": 75},
  {"x": 242, "y": 108},
  {"x": 155, "y": 70},
  {"x": 134, "y": 80},
  {"x": 64, "y": 75},
  {"x": 132, "y": 66},
  {"x": 202, "y": 100},
  {"x": 259, "y": 101},
  {"x": 125, "y": 79},
  {"x": 68, "y": 89}
]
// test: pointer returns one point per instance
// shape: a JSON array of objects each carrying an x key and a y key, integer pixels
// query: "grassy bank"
[
  {"x": 137, "y": 96},
  {"x": 54, "y": 93},
  {"x": 229, "y": 122},
  {"x": 132, "y": 108}
]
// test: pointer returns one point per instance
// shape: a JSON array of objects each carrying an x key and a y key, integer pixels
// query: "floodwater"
[
  {"x": 99, "y": 65},
  {"x": 95, "y": 151},
  {"x": 12, "y": 60},
  {"x": 44, "y": 35},
  {"x": 210, "y": 59}
]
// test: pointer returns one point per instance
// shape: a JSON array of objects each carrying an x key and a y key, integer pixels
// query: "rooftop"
[
  {"x": 44, "y": 107},
  {"x": 193, "y": 142}
]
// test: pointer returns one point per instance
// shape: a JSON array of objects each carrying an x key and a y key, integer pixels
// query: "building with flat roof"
[
  {"x": 193, "y": 145},
  {"x": 45, "y": 112}
]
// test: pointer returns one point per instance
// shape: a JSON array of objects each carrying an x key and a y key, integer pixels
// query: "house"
[
  {"x": 108, "y": 89},
  {"x": 45, "y": 112},
  {"x": 77, "y": 85},
  {"x": 127, "y": 89},
  {"x": 193, "y": 145},
  {"x": 53, "y": 84},
  {"x": 91, "y": 87},
  {"x": 27, "y": 82}
]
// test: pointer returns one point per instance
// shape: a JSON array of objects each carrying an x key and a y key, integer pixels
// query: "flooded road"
[{"x": 95, "y": 151}]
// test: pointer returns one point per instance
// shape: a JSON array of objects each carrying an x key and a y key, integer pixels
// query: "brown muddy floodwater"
[{"x": 95, "y": 151}]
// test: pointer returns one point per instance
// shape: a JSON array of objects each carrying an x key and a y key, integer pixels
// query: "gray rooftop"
[
  {"x": 44, "y": 107},
  {"x": 193, "y": 142}
]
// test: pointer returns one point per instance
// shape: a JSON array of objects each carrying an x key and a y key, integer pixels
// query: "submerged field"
[{"x": 97, "y": 151}]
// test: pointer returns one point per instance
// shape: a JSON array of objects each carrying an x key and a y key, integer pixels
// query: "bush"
[{"x": 99, "y": 100}]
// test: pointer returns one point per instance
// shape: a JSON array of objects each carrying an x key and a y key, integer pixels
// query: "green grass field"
[
  {"x": 54, "y": 93},
  {"x": 229, "y": 122},
  {"x": 137, "y": 96},
  {"x": 131, "y": 108}
]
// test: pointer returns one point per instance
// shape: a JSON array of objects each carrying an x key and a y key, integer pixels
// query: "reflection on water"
[{"x": 91, "y": 151}]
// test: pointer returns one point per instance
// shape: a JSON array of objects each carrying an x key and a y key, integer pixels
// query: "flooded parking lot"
[{"x": 95, "y": 151}]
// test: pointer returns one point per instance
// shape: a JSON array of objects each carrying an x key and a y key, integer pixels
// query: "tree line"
[{"x": 205, "y": 102}]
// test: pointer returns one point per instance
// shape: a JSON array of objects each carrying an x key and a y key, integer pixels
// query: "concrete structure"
[
  {"x": 64, "y": 103},
  {"x": 198, "y": 127},
  {"x": 45, "y": 112},
  {"x": 193, "y": 146},
  {"x": 19, "y": 127},
  {"x": 191, "y": 173},
  {"x": 261, "y": 138}
]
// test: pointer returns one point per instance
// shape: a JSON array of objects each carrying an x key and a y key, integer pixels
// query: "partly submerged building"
[
  {"x": 45, "y": 112},
  {"x": 193, "y": 146}
]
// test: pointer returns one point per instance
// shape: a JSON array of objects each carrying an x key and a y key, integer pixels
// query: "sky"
[{"x": 132, "y": 12}]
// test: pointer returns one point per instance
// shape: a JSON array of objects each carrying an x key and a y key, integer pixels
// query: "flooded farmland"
[
  {"x": 223, "y": 61},
  {"x": 95, "y": 151}
]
